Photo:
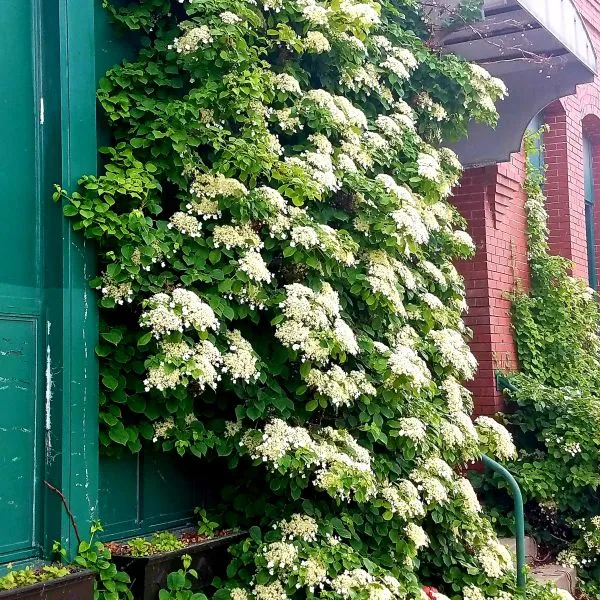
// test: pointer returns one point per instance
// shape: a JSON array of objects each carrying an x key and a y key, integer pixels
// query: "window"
[
  {"x": 537, "y": 158},
  {"x": 590, "y": 230}
]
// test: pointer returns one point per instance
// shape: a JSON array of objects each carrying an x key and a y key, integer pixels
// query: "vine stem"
[{"x": 66, "y": 505}]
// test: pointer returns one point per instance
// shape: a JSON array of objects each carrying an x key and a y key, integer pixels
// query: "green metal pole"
[{"x": 519, "y": 517}]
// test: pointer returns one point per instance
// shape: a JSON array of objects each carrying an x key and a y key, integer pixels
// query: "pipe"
[{"x": 519, "y": 516}]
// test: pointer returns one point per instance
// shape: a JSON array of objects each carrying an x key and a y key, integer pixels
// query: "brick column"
[
  {"x": 564, "y": 188},
  {"x": 492, "y": 201}
]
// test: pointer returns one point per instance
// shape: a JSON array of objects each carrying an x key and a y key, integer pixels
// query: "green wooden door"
[{"x": 22, "y": 324}]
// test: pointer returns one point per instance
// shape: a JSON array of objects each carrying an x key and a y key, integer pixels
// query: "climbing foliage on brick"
[
  {"x": 554, "y": 407},
  {"x": 277, "y": 288}
]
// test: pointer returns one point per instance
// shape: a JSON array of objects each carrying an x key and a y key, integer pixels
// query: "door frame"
[{"x": 71, "y": 411}]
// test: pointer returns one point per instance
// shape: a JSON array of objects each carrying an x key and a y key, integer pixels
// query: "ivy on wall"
[
  {"x": 554, "y": 405},
  {"x": 277, "y": 290}
]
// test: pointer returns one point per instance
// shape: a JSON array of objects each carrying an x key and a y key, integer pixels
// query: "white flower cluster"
[
  {"x": 118, "y": 292},
  {"x": 208, "y": 188},
  {"x": 403, "y": 499},
  {"x": 162, "y": 429},
  {"x": 269, "y": 591},
  {"x": 343, "y": 467},
  {"x": 280, "y": 555},
  {"x": 287, "y": 83},
  {"x": 454, "y": 351},
  {"x": 312, "y": 323},
  {"x": 457, "y": 396},
  {"x": 428, "y": 167},
  {"x": 412, "y": 428},
  {"x": 416, "y": 534},
  {"x": 339, "y": 386},
  {"x": 361, "y": 13},
  {"x": 342, "y": 112},
  {"x": 236, "y": 236},
  {"x": 437, "y": 111},
  {"x": 192, "y": 40},
  {"x": 230, "y": 18},
  {"x": 404, "y": 361},
  {"x": 186, "y": 224},
  {"x": 316, "y": 42},
  {"x": 382, "y": 276},
  {"x": 169, "y": 313},
  {"x": 200, "y": 363},
  {"x": 496, "y": 436},
  {"x": 241, "y": 361},
  {"x": 255, "y": 267},
  {"x": 467, "y": 494},
  {"x": 359, "y": 583},
  {"x": 495, "y": 559},
  {"x": 298, "y": 527}
]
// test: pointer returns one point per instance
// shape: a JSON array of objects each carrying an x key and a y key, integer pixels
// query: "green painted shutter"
[{"x": 590, "y": 229}]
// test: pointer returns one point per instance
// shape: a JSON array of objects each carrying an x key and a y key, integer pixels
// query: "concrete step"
[
  {"x": 530, "y": 548},
  {"x": 564, "y": 578}
]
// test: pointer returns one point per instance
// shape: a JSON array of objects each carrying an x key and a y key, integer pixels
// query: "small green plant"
[
  {"x": 206, "y": 527},
  {"x": 160, "y": 542},
  {"x": 111, "y": 584},
  {"x": 139, "y": 547},
  {"x": 179, "y": 583},
  {"x": 28, "y": 576}
]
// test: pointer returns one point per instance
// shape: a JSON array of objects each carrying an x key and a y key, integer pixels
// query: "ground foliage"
[{"x": 278, "y": 293}]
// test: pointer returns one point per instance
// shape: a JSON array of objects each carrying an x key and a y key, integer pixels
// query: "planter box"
[
  {"x": 76, "y": 586},
  {"x": 149, "y": 573}
]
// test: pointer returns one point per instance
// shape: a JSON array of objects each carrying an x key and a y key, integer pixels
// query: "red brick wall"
[{"x": 492, "y": 201}]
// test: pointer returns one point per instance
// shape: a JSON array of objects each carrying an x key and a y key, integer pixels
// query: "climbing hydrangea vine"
[{"x": 278, "y": 293}]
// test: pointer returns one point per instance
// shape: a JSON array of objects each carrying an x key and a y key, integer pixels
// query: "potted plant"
[
  {"x": 51, "y": 582},
  {"x": 149, "y": 561}
]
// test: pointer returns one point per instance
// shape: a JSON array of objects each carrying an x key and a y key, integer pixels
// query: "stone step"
[
  {"x": 564, "y": 578},
  {"x": 530, "y": 548}
]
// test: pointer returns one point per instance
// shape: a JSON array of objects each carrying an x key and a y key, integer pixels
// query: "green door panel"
[
  {"x": 19, "y": 465},
  {"x": 147, "y": 492},
  {"x": 21, "y": 297},
  {"x": 19, "y": 215}
]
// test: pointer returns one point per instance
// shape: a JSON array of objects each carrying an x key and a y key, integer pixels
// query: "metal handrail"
[{"x": 519, "y": 517}]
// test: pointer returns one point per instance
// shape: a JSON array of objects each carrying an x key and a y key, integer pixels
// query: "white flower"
[
  {"x": 364, "y": 14},
  {"x": 236, "y": 236},
  {"x": 280, "y": 555},
  {"x": 417, "y": 535},
  {"x": 404, "y": 361},
  {"x": 271, "y": 591},
  {"x": 287, "y": 83},
  {"x": 339, "y": 386},
  {"x": 186, "y": 224},
  {"x": 238, "y": 594},
  {"x": 497, "y": 436},
  {"x": 192, "y": 40},
  {"x": 301, "y": 527},
  {"x": 396, "y": 67},
  {"x": 230, "y": 18},
  {"x": 454, "y": 351},
  {"x": 465, "y": 491},
  {"x": 495, "y": 559},
  {"x": 241, "y": 361},
  {"x": 412, "y": 428},
  {"x": 253, "y": 264},
  {"x": 316, "y": 42},
  {"x": 428, "y": 167}
]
